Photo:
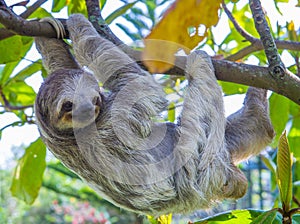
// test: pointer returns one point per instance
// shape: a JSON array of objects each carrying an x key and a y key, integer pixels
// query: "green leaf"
[
  {"x": 27, "y": 72},
  {"x": 294, "y": 137},
  {"x": 77, "y": 6},
  {"x": 152, "y": 220},
  {"x": 235, "y": 216},
  {"x": 232, "y": 217},
  {"x": 139, "y": 24},
  {"x": 171, "y": 112},
  {"x": 27, "y": 43},
  {"x": 279, "y": 114},
  {"x": 284, "y": 172},
  {"x": 28, "y": 174},
  {"x": 19, "y": 93},
  {"x": 6, "y": 72},
  {"x": 269, "y": 163},
  {"x": 232, "y": 88},
  {"x": 9, "y": 67},
  {"x": 102, "y": 4},
  {"x": 268, "y": 217},
  {"x": 39, "y": 13},
  {"x": 57, "y": 5},
  {"x": 151, "y": 6},
  {"x": 296, "y": 177},
  {"x": 128, "y": 32},
  {"x": 234, "y": 36},
  {"x": 245, "y": 21},
  {"x": 12, "y": 47},
  {"x": 120, "y": 11},
  {"x": 294, "y": 109},
  {"x": 296, "y": 219},
  {"x": 245, "y": 217}
]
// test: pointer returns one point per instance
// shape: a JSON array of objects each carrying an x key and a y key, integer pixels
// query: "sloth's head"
[{"x": 68, "y": 99}]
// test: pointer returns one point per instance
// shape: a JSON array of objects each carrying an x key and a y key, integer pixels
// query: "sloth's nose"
[{"x": 84, "y": 112}]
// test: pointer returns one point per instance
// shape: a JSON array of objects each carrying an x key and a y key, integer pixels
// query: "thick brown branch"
[
  {"x": 225, "y": 70},
  {"x": 250, "y": 75},
  {"x": 18, "y": 25},
  {"x": 4, "y": 33}
]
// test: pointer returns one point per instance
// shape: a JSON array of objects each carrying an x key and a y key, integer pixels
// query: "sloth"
[{"x": 112, "y": 138}]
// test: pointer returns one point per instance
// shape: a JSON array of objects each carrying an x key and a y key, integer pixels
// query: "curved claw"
[{"x": 57, "y": 25}]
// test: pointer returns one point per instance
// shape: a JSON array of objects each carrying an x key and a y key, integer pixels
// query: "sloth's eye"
[
  {"x": 96, "y": 100},
  {"x": 67, "y": 106}
]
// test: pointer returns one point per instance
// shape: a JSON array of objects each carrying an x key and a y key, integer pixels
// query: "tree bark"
[{"x": 258, "y": 76}]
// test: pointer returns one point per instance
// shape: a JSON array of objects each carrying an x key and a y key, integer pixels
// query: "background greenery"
[{"x": 54, "y": 194}]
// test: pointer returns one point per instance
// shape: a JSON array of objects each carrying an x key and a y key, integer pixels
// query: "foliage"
[
  {"x": 276, "y": 215},
  {"x": 27, "y": 178},
  {"x": 136, "y": 19}
]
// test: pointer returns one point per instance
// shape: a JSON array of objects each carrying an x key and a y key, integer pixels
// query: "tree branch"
[
  {"x": 256, "y": 44},
  {"x": 4, "y": 33},
  {"x": 10, "y": 107},
  {"x": 243, "y": 32},
  {"x": 225, "y": 70},
  {"x": 95, "y": 17},
  {"x": 18, "y": 25},
  {"x": 31, "y": 9},
  {"x": 276, "y": 66}
]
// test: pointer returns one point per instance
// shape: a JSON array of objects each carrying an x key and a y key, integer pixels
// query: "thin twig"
[
  {"x": 296, "y": 201},
  {"x": 243, "y": 32},
  {"x": 257, "y": 46},
  {"x": 31, "y": 9},
  {"x": 244, "y": 52},
  {"x": 10, "y": 107}
]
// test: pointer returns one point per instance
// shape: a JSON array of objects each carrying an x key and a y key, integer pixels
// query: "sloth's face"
[
  {"x": 80, "y": 102},
  {"x": 68, "y": 99}
]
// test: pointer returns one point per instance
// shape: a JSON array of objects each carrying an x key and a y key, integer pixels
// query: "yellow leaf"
[
  {"x": 183, "y": 26},
  {"x": 291, "y": 31},
  {"x": 177, "y": 85},
  {"x": 165, "y": 219}
]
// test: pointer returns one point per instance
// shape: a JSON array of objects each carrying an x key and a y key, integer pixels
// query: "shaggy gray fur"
[{"x": 111, "y": 140}]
